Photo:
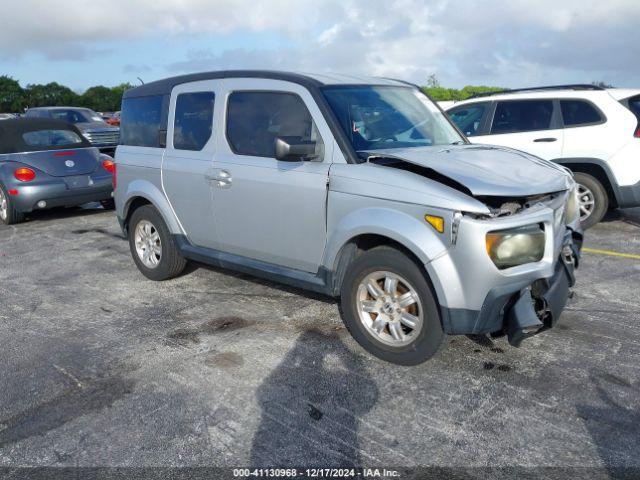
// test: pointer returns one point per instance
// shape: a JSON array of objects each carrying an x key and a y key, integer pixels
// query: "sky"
[{"x": 509, "y": 43}]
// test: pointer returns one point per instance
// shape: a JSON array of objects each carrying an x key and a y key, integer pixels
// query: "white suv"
[{"x": 594, "y": 132}]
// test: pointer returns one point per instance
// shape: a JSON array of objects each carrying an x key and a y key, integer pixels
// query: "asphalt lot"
[{"x": 100, "y": 367}]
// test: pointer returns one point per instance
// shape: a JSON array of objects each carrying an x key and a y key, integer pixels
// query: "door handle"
[
  {"x": 219, "y": 178},
  {"x": 546, "y": 139}
]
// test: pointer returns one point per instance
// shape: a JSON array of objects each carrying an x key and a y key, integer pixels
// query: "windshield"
[
  {"x": 81, "y": 115},
  {"x": 380, "y": 117}
]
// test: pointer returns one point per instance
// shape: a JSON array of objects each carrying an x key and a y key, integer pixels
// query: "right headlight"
[
  {"x": 516, "y": 246},
  {"x": 573, "y": 205}
]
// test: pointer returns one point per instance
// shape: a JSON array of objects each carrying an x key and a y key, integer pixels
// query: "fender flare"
[
  {"x": 417, "y": 237},
  {"x": 615, "y": 188},
  {"x": 151, "y": 193}
]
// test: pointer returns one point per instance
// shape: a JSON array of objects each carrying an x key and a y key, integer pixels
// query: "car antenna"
[{"x": 141, "y": 81}]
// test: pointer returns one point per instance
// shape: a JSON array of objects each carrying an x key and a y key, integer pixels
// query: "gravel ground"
[{"x": 100, "y": 367}]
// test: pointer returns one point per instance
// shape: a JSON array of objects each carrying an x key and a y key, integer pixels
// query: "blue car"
[{"x": 48, "y": 163}]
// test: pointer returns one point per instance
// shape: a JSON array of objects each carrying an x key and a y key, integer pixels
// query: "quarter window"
[
  {"x": 578, "y": 112},
  {"x": 256, "y": 119},
  {"x": 469, "y": 117},
  {"x": 193, "y": 120},
  {"x": 140, "y": 121},
  {"x": 522, "y": 116}
]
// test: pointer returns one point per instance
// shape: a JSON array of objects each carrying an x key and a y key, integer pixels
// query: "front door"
[
  {"x": 265, "y": 209},
  {"x": 532, "y": 126}
]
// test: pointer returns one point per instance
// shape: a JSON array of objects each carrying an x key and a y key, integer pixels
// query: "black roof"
[
  {"x": 309, "y": 80},
  {"x": 164, "y": 87},
  {"x": 11, "y": 131}
]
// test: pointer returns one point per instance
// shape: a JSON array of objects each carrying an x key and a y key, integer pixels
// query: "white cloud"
[{"x": 462, "y": 41}]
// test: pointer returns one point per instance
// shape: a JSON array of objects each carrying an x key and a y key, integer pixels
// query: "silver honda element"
[{"x": 358, "y": 188}]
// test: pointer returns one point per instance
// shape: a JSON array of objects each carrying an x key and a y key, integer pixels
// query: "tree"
[
  {"x": 11, "y": 95},
  {"x": 50, "y": 95}
]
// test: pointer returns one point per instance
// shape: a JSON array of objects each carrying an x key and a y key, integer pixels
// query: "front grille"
[{"x": 103, "y": 137}]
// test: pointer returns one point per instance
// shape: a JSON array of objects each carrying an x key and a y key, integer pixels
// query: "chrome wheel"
[
  {"x": 148, "y": 245},
  {"x": 586, "y": 201},
  {"x": 3, "y": 206},
  {"x": 389, "y": 308}
]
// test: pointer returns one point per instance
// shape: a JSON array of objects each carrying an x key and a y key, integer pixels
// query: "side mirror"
[{"x": 294, "y": 149}]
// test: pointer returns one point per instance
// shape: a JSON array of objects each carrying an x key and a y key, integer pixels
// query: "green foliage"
[
  {"x": 14, "y": 98},
  {"x": 11, "y": 95},
  {"x": 439, "y": 94}
]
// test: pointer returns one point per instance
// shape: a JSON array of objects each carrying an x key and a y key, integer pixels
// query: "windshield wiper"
[{"x": 457, "y": 142}]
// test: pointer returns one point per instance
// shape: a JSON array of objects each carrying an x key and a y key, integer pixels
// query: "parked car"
[
  {"x": 114, "y": 119},
  {"x": 93, "y": 128},
  {"x": 48, "y": 163},
  {"x": 594, "y": 132},
  {"x": 357, "y": 188}
]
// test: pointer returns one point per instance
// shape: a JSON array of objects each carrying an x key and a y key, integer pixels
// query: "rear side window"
[
  {"x": 579, "y": 112},
  {"x": 468, "y": 118},
  {"x": 522, "y": 116},
  {"x": 140, "y": 121},
  {"x": 193, "y": 120},
  {"x": 634, "y": 106},
  {"x": 255, "y": 119},
  {"x": 51, "y": 138}
]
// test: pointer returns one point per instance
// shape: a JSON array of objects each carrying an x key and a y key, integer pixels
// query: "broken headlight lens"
[
  {"x": 516, "y": 246},
  {"x": 573, "y": 205}
]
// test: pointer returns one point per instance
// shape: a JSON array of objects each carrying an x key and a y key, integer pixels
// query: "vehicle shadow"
[
  {"x": 60, "y": 213},
  {"x": 630, "y": 216},
  {"x": 614, "y": 427},
  {"x": 311, "y": 404},
  {"x": 193, "y": 266}
]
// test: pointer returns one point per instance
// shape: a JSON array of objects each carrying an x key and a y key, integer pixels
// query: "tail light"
[
  {"x": 24, "y": 174},
  {"x": 637, "y": 132},
  {"x": 109, "y": 166}
]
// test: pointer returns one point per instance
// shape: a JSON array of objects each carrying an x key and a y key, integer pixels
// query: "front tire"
[
  {"x": 592, "y": 199},
  {"x": 389, "y": 308},
  {"x": 152, "y": 247},
  {"x": 8, "y": 213}
]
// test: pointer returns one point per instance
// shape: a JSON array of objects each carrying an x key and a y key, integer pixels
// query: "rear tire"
[
  {"x": 593, "y": 199},
  {"x": 109, "y": 204},
  {"x": 388, "y": 306},
  {"x": 8, "y": 213},
  {"x": 152, "y": 246}
]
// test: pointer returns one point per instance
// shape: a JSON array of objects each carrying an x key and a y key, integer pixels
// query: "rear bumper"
[
  {"x": 521, "y": 309},
  {"x": 55, "y": 193}
]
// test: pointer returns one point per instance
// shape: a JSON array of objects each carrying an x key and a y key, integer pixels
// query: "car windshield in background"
[
  {"x": 51, "y": 138},
  {"x": 76, "y": 116},
  {"x": 381, "y": 117}
]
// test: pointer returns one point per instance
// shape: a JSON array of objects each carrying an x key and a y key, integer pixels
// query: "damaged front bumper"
[{"x": 522, "y": 310}]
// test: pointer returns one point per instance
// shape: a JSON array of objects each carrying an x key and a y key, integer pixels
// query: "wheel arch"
[
  {"x": 599, "y": 170},
  {"x": 141, "y": 193},
  {"x": 418, "y": 241}
]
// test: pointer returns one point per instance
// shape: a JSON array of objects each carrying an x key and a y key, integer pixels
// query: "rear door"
[
  {"x": 188, "y": 159},
  {"x": 533, "y": 126}
]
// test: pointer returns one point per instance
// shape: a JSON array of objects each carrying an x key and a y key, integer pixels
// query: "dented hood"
[{"x": 485, "y": 170}]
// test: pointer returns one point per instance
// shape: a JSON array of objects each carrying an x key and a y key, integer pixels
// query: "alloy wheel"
[
  {"x": 586, "y": 201},
  {"x": 148, "y": 244},
  {"x": 4, "y": 207},
  {"x": 389, "y": 308}
]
